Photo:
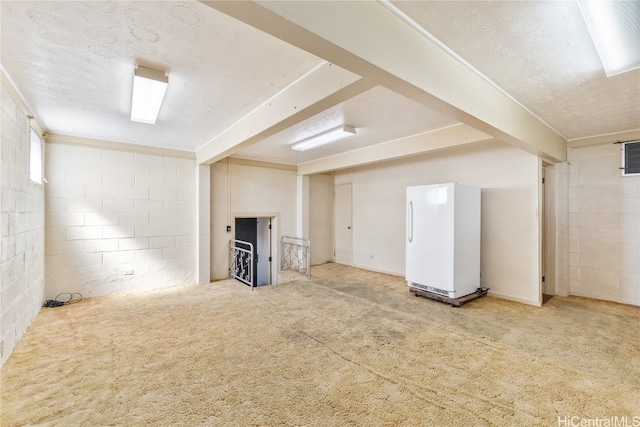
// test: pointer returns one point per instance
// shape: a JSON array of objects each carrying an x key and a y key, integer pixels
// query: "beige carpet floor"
[{"x": 349, "y": 348}]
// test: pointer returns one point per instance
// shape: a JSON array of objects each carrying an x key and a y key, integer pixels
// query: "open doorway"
[{"x": 257, "y": 231}]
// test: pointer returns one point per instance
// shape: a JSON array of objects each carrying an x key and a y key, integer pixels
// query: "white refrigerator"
[{"x": 443, "y": 239}]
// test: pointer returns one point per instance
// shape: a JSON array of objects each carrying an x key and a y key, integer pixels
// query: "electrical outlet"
[{"x": 128, "y": 272}]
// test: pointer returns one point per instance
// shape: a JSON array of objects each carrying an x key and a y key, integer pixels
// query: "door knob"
[{"x": 348, "y": 227}]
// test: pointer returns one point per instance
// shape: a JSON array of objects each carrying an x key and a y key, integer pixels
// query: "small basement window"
[{"x": 631, "y": 158}]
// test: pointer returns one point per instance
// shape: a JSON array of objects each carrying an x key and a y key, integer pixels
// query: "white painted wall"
[
  {"x": 598, "y": 226},
  {"x": 22, "y": 229},
  {"x": 510, "y": 241},
  {"x": 112, "y": 212},
  {"x": 249, "y": 190},
  {"x": 320, "y": 223}
]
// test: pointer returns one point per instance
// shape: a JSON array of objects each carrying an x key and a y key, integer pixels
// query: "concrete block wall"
[
  {"x": 220, "y": 219},
  {"x": 22, "y": 229},
  {"x": 243, "y": 190},
  {"x": 603, "y": 226},
  {"x": 118, "y": 221},
  {"x": 203, "y": 218}
]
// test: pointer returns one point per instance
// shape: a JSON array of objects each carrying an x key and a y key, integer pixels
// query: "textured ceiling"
[
  {"x": 539, "y": 52},
  {"x": 378, "y": 115},
  {"x": 73, "y": 63}
]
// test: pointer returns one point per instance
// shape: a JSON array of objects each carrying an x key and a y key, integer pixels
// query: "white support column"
[
  {"x": 302, "y": 207},
  {"x": 203, "y": 224}
]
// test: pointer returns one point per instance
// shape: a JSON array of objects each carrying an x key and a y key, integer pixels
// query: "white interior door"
[{"x": 343, "y": 230}]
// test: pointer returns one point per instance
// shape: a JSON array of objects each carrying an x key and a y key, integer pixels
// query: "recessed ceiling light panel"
[
  {"x": 323, "y": 138},
  {"x": 149, "y": 87},
  {"x": 615, "y": 29}
]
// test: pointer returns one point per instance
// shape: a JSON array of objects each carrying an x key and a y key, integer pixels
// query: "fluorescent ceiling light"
[
  {"x": 149, "y": 87},
  {"x": 332, "y": 135},
  {"x": 615, "y": 30}
]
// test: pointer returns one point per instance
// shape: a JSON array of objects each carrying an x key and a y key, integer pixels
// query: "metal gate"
[
  {"x": 295, "y": 255},
  {"x": 241, "y": 261}
]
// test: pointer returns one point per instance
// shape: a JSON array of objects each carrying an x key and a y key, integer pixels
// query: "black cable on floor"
[{"x": 57, "y": 303}]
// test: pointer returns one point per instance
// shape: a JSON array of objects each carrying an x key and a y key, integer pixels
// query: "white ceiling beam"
[
  {"x": 410, "y": 146},
  {"x": 325, "y": 86},
  {"x": 369, "y": 40}
]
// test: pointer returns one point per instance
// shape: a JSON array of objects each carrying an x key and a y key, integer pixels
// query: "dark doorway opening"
[{"x": 257, "y": 231}]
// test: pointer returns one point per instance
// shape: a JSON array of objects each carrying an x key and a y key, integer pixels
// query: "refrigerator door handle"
[{"x": 410, "y": 222}]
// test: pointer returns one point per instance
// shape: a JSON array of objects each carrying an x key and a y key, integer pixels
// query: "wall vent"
[{"x": 631, "y": 158}]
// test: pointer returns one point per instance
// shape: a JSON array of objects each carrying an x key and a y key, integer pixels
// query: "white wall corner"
[
  {"x": 203, "y": 224},
  {"x": 302, "y": 206}
]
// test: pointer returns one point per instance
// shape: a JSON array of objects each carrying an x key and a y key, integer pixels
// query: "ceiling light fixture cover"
[
  {"x": 149, "y": 87},
  {"x": 614, "y": 28},
  {"x": 323, "y": 138}
]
